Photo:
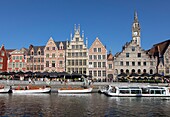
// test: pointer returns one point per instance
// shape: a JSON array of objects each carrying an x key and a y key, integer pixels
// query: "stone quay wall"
[{"x": 56, "y": 84}]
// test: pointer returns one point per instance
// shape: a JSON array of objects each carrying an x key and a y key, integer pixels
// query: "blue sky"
[{"x": 25, "y": 22}]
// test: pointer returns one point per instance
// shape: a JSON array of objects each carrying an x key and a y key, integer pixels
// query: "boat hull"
[
  {"x": 135, "y": 95},
  {"x": 89, "y": 90},
  {"x": 45, "y": 90},
  {"x": 5, "y": 90}
]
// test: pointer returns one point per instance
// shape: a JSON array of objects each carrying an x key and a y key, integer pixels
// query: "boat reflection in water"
[
  {"x": 75, "y": 95},
  {"x": 81, "y": 105}
]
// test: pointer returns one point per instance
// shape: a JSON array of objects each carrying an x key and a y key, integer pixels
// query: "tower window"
[
  {"x": 77, "y": 39},
  {"x": 133, "y": 48},
  {"x": 139, "y": 54},
  {"x": 127, "y": 54}
]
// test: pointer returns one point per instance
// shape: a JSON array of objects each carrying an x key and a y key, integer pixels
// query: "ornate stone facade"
[
  {"x": 98, "y": 60},
  {"x": 54, "y": 56},
  {"x": 77, "y": 54},
  {"x": 133, "y": 58}
]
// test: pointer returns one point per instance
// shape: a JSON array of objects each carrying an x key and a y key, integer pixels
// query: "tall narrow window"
[
  {"x": 127, "y": 54},
  {"x": 53, "y": 63},
  {"x": 139, "y": 54}
]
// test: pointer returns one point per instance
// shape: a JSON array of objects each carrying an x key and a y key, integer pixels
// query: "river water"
[{"x": 82, "y": 105}]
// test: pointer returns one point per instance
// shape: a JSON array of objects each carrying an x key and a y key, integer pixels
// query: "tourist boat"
[
  {"x": 75, "y": 90},
  {"x": 148, "y": 91},
  {"x": 4, "y": 89},
  {"x": 103, "y": 89},
  {"x": 32, "y": 89}
]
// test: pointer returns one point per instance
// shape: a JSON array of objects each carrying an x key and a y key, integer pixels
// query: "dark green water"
[{"x": 81, "y": 105}]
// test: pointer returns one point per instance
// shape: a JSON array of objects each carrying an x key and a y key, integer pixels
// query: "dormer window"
[
  {"x": 61, "y": 47},
  {"x": 39, "y": 53},
  {"x": 32, "y": 53}
]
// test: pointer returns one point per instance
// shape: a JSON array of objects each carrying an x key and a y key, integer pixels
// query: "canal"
[{"x": 81, "y": 105}]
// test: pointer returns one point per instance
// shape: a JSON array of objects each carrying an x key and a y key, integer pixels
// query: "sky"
[{"x": 25, "y": 22}]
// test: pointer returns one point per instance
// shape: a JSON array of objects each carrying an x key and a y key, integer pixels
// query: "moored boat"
[
  {"x": 4, "y": 89},
  {"x": 148, "y": 91},
  {"x": 32, "y": 89},
  {"x": 75, "y": 90}
]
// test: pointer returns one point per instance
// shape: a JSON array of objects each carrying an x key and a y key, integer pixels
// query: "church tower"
[{"x": 136, "y": 30}]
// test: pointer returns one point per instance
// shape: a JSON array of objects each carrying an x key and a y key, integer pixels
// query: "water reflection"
[
  {"x": 94, "y": 105},
  {"x": 75, "y": 95}
]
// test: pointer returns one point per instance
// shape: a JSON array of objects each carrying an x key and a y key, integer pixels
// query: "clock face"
[{"x": 135, "y": 33}]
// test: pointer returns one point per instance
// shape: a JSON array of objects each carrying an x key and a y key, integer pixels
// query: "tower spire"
[
  {"x": 136, "y": 30},
  {"x": 135, "y": 16}
]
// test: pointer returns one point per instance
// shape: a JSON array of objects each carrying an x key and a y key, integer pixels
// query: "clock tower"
[{"x": 136, "y": 30}]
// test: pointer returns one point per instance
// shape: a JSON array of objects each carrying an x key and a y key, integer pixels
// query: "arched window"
[
  {"x": 121, "y": 71},
  {"x": 133, "y": 71},
  {"x": 151, "y": 71},
  {"x": 127, "y": 71},
  {"x": 144, "y": 71},
  {"x": 139, "y": 71}
]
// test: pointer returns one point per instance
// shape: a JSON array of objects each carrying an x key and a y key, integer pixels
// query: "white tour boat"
[
  {"x": 75, "y": 90},
  {"x": 32, "y": 89},
  {"x": 4, "y": 89},
  {"x": 148, "y": 91}
]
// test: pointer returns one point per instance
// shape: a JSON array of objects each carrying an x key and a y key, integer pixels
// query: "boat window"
[
  {"x": 163, "y": 92},
  {"x": 152, "y": 92},
  {"x": 124, "y": 91},
  {"x": 158, "y": 92},
  {"x": 135, "y": 92},
  {"x": 145, "y": 91},
  {"x": 113, "y": 90}
]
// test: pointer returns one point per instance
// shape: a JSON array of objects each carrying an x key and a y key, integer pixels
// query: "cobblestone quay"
[{"x": 56, "y": 84}]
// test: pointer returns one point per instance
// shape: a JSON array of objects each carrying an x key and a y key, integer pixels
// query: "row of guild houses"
[{"x": 74, "y": 56}]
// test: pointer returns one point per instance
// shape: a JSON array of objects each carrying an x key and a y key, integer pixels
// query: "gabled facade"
[
  {"x": 3, "y": 59},
  {"x": 98, "y": 60},
  {"x": 35, "y": 58},
  {"x": 77, "y": 54},
  {"x": 133, "y": 58},
  {"x": 54, "y": 56},
  {"x": 110, "y": 67},
  {"x": 17, "y": 60},
  {"x": 161, "y": 52}
]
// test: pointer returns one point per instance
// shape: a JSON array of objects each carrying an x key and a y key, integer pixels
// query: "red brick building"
[
  {"x": 17, "y": 60},
  {"x": 3, "y": 59}
]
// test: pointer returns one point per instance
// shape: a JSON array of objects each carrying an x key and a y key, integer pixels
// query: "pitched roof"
[
  {"x": 159, "y": 48},
  {"x": 58, "y": 43},
  {"x": 36, "y": 49},
  {"x": 110, "y": 56}
]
